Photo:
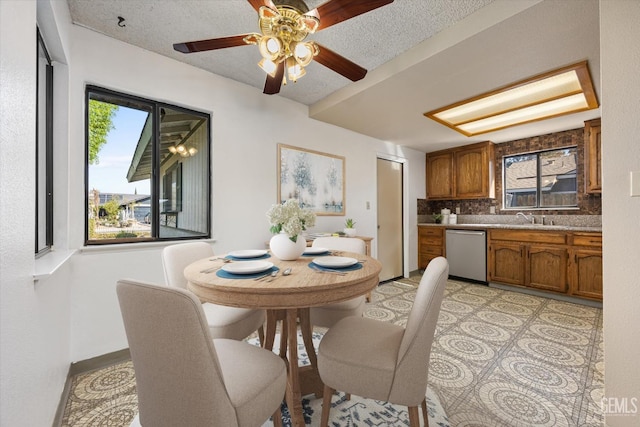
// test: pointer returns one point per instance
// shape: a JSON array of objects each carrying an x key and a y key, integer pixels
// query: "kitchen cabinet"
[
  {"x": 440, "y": 176},
  {"x": 430, "y": 244},
  {"x": 461, "y": 173},
  {"x": 506, "y": 262},
  {"x": 585, "y": 265},
  {"x": 592, "y": 156},
  {"x": 563, "y": 262},
  {"x": 536, "y": 259},
  {"x": 474, "y": 170}
]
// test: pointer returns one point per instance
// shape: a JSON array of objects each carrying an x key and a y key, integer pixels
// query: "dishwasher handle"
[{"x": 471, "y": 233}]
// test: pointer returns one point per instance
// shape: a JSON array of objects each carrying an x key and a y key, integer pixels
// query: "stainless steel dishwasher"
[{"x": 467, "y": 254}]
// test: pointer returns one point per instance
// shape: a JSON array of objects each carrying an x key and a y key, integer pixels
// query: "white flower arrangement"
[{"x": 290, "y": 218}]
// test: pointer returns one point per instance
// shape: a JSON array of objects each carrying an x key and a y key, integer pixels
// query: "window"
[
  {"x": 546, "y": 180},
  {"x": 44, "y": 150},
  {"x": 148, "y": 170}
]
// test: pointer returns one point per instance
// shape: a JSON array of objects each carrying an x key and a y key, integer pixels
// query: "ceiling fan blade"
[
  {"x": 211, "y": 44},
  {"x": 340, "y": 64},
  {"x": 256, "y": 4},
  {"x": 335, "y": 11},
  {"x": 272, "y": 85}
]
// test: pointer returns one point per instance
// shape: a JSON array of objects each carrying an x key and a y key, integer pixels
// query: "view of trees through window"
[
  {"x": 545, "y": 179},
  {"x": 145, "y": 182}
]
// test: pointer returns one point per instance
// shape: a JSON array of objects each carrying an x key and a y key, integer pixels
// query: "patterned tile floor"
[
  {"x": 502, "y": 358},
  {"x": 499, "y": 358}
]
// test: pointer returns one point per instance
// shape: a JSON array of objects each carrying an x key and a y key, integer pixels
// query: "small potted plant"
[
  {"x": 437, "y": 218},
  {"x": 349, "y": 228}
]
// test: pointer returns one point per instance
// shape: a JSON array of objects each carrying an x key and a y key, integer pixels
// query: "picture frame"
[{"x": 316, "y": 179}]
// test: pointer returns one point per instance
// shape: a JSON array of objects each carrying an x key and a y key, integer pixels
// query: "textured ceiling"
[
  {"x": 369, "y": 40},
  {"x": 421, "y": 55}
]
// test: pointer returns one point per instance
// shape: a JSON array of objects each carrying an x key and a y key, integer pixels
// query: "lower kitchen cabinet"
[
  {"x": 541, "y": 267},
  {"x": 546, "y": 268},
  {"x": 564, "y": 262},
  {"x": 506, "y": 263},
  {"x": 585, "y": 266},
  {"x": 430, "y": 244}
]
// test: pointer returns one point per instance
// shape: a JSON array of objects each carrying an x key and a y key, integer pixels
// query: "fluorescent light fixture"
[{"x": 563, "y": 91}]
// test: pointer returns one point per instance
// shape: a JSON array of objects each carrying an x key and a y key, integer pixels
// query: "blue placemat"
[
  {"x": 356, "y": 266},
  {"x": 223, "y": 274},
  {"x": 233, "y": 258}
]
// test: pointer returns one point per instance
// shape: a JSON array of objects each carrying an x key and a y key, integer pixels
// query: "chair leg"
[
  {"x": 414, "y": 417},
  {"x": 326, "y": 405},
  {"x": 261, "y": 336},
  {"x": 425, "y": 415}
]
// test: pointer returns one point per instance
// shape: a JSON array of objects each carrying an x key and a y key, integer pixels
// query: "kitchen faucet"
[{"x": 532, "y": 220}]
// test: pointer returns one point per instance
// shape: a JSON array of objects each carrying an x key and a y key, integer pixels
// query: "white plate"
[
  {"x": 315, "y": 251},
  {"x": 248, "y": 253},
  {"x": 247, "y": 267},
  {"x": 335, "y": 261}
]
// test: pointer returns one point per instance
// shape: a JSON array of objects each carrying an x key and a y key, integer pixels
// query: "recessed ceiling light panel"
[{"x": 555, "y": 93}]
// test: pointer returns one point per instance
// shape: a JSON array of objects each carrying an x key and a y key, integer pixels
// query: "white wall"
[
  {"x": 620, "y": 62},
  {"x": 247, "y": 126},
  {"x": 35, "y": 317}
]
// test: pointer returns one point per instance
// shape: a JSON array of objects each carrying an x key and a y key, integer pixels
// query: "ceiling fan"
[{"x": 284, "y": 26}]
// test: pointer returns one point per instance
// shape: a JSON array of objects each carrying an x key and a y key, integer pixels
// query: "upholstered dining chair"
[
  {"x": 186, "y": 378},
  {"x": 383, "y": 361},
  {"x": 224, "y": 322},
  {"x": 327, "y": 315}
]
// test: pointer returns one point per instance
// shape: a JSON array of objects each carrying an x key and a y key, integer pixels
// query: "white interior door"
[{"x": 390, "y": 252}]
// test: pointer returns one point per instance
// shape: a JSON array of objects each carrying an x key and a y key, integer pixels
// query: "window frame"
[
  {"x": 155, "y": 177},
  {"x": 48, "y": 148},
  {"x": 539, "y": 166}
]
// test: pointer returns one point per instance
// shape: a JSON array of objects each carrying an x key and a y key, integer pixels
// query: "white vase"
[
  {"x": 350, "y": 232},
  {"x": 283, "y": 248}
]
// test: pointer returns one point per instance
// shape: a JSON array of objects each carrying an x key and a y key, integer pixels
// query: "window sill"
[
  {"x": 47, "y": 264},
  {"x": 125, "y": 247}
]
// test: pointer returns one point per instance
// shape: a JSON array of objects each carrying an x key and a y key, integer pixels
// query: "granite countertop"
[{"x": 514, "y": 226}]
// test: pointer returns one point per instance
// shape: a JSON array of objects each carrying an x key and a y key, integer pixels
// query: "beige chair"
[
  {"x": 383, "y": 361},
  {"x": 186, "y": 378},
  {"x": 327, "y": 315},
  {"x": 224, "y": 322}
]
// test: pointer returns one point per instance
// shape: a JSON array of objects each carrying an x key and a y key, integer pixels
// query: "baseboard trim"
[
  {"x": 538, "y": 293},
  {"x": 99, "y": 362},
  {"x": 82, "y": 367}
]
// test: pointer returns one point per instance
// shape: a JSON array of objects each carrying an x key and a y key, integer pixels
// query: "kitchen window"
[
  {"x": 544, "y": 180},
  {"x": 44, "y": 150},
  {"x": 148, "y": 170}
]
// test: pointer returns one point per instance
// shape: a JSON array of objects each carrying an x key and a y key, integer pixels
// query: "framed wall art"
[{"x": 316, "y": 179}]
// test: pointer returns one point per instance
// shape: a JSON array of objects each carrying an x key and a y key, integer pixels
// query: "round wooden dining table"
[{"x": 287, "y": 298}]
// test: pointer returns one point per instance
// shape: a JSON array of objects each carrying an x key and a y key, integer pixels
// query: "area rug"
[{"x": 355, "y": 411}]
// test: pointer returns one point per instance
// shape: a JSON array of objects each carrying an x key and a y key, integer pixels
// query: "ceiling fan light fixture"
[
  {"x": 304, "y": 52},
  {"x": 270, "y": 47},
  {"x": 268, "y": 66},
  {"x": 563, "y": 91},
  {"x": 294, "y": 70}
]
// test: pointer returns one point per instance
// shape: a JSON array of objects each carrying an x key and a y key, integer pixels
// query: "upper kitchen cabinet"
[
  {"x": 440, "y": 175},
  {"x": 461, "y": 173},
  {"x": 592, "y": 156}
]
